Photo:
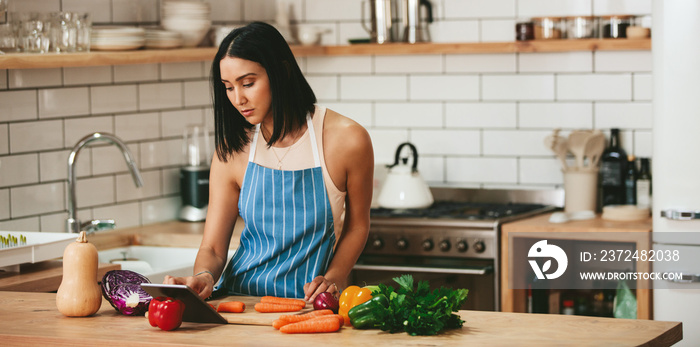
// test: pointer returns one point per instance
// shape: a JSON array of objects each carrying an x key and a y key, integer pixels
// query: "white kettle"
[{"x": 404, "y": 187}]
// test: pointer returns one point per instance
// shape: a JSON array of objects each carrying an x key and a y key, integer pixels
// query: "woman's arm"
[
  {"x": 221, "y": 217},
  {"x": 357, "y": 155}
]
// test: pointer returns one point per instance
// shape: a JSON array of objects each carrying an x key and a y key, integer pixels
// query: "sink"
[{"x": 151, "y": 261}]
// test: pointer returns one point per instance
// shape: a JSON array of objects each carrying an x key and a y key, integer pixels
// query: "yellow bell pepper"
[{"x": 351, "y": 297}]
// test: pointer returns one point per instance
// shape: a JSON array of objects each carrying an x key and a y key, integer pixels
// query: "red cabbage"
[
  {"x": 130, "y": 299},
  {"x": 116, "y": 290}
]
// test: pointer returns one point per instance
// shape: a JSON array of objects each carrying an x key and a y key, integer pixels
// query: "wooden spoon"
[
  {"x": 558, "y": 145},
  {"x": 594, "y": 148},
  {"x": 577, "y": 145}
]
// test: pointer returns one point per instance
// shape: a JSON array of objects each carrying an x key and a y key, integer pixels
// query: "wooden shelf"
[{"x": 102, "y": 58}]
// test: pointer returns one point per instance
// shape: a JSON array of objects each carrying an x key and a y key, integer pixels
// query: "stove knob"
[
  {"x": 402, "y": 244},
  {"x": 427, "y": 245},
  {"x": 377, "y": 243},
  {"x": 479, "y": 246},
  {"x": 462, "y": 246},
  {"x": 445, "y": 245}
]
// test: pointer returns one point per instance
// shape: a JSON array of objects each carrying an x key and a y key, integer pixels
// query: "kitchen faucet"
[{"x": 73, "y": 225}]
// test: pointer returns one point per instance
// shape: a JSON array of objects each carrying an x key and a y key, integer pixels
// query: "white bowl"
[
  {"x": 310, "y": 34},
  {"x": 192, "y": 31}
]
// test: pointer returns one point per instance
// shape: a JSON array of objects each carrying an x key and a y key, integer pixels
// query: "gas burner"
[{"x": 460, "y": 210}]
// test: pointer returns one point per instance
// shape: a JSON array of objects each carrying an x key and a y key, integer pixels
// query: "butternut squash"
[{"x": 79, "y": 295}]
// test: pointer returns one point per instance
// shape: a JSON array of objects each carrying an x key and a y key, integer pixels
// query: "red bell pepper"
[{"x": 165, "y": 312}]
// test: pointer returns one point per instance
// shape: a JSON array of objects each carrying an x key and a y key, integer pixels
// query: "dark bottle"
[
  {"x": 644, "y": 184},
  {"x": 612, "y": 171},
  {"x": 538, "y": 297},
  {"x": 631, "y": 181}
]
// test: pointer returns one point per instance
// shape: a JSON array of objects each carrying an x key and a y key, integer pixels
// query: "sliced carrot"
[
  {"x": 266, "y": 308},
  {"x": 282, "y": 301},
  {"x": 231, "y": 306},
  {"x": 293, "y": 318},
  {"x": 323, "y": 324}
]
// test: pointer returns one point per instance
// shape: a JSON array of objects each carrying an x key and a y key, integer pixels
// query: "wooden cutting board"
[{"x": 250, "y": 316}]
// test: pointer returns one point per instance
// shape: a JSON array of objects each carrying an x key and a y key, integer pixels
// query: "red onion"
[{"x": 326, "y": 300}]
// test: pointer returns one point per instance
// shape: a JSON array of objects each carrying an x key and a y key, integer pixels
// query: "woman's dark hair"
[{"x": 292, "y": 97}]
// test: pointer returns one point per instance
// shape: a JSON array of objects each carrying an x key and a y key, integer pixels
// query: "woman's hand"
[
  {"x": 203, "y": 284},
  {"x": 319, "y": 285}
]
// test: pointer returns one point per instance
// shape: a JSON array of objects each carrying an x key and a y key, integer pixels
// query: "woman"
[{"x": 299, "y": 175}]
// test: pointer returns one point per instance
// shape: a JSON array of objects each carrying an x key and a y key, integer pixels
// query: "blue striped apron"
[{"x": 288, "y": 237}]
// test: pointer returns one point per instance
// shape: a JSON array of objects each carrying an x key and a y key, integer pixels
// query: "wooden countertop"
[
  {"x": 23, "y": 314},
  {"x": 540, "y": 223}
]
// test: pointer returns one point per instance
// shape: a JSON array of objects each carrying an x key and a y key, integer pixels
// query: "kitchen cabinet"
[
  {"x": 45, "y": 276},
  {"x": 633, "y": 235},
  {"x": 34, "y": 320},
  {"x": 97, "y": 58}
]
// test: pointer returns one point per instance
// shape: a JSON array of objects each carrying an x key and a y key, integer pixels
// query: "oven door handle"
[{"x": 468, "y": 271}]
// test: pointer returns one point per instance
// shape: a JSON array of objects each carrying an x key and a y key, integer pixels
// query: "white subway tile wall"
[{"x": 478, "y": 120}]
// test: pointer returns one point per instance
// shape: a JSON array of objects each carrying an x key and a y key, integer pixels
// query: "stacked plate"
[
  {"x": 117, "y": 38},
  {"x": 190, "y": 18},
  {"x": 156, "y": 38}
]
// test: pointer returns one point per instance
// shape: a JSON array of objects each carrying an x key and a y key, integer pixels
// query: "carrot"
[
  {"x": 278, "y": 323},
  {"x": 231, "y": 306},
  {"x": 323, "y": 324},
  {"x": 293, "y": 318},
  {"x": 340, "y": 318},
  {"x": 282, "y": 301},
  {"x": 266, "y": 308}
]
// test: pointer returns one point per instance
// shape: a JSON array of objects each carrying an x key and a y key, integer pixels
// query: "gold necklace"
[{"x": 279, "y": 160}]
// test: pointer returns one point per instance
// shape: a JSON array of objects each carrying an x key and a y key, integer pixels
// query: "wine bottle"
[
  {"x": 612, "y": 171},
  {"x": 631, "y": 181},
  {"x": 644, "y": 184}
]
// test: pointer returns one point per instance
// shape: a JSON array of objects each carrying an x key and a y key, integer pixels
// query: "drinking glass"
[
  {"x": 63, "y": 32},
  {"x": 3, "y": 9},
  {"x": 33, "y": 38},
  {"x": 83, "y": 25},
  {"x": 8, "y": 38}
]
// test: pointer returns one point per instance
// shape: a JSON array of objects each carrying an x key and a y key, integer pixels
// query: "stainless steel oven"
[{"x": 454, "y": 243}]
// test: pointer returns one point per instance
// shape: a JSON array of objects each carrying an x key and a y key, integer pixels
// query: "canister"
[
  {"x": 580, "y": 27},
  {"x": 524, "y": 31},
  {"x": 548, "y": 28},
  {"x": 614, "y": 27}
]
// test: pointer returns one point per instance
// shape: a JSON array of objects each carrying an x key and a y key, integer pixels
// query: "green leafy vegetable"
[{"x": 418, "y": 311}]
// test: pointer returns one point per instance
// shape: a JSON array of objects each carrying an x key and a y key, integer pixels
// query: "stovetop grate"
[{"x": 459, "y": 210}]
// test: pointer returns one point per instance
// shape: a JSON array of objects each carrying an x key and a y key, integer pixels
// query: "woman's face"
[{"x": 247, "y": 87}]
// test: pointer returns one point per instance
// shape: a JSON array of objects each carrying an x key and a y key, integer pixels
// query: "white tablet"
[{"x": 196, "y": 309}]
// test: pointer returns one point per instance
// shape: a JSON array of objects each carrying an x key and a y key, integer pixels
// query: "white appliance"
[{"x": 675, "y": 168}]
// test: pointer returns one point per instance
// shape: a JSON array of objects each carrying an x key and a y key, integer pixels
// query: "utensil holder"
[{"x": 580, "y": 188}]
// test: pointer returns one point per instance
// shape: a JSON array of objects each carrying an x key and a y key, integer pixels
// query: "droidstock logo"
[{"x": 542, "y": 250}]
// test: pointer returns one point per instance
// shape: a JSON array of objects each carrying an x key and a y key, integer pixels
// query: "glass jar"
[
  {"x": 614, "y": 27},
  {"x": 547, "y": 28},
  {"x": 640, "y": 28},
  {"x": 524, "y": 31},
  {"x": 580, "y": 27}
]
